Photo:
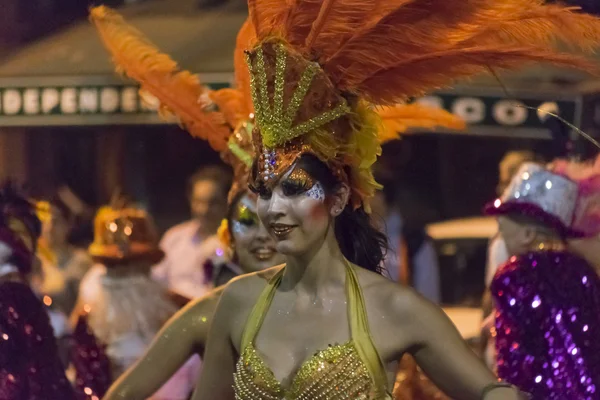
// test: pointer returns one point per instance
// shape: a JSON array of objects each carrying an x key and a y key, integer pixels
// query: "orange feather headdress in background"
[{"x": 318, "y": 68}]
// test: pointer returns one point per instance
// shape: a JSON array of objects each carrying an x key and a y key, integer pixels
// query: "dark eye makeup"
[
  {"x": 247, "y": 217},
  {"x": 294, "y": 187},
  {"x": 261, "y": 191}
]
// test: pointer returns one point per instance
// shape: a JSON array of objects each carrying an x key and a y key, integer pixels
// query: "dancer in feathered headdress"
[
  {"x": 587, "y": 210},
  {"x": 182, "y": 96},
  {"x": 30, "y": 367}
]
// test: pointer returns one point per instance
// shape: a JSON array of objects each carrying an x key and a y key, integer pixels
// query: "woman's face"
[
  {"x": 55, "y": 229},
  {"x": 254, "y": 248},
  {"x": 295, "y": 212}
]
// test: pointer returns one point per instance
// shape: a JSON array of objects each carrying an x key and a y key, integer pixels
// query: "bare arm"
[
  {"x": 445, "y": 357},
  {"x": 182, "y": 336},
  {"x": 216, "y": 378}
]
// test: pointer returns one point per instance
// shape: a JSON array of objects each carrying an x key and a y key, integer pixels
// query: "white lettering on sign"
[
  {"x": 149, "y": 102},
  {"x": 50, "y": 99},
  {"x": 12, "y": 101},
  {"x": 510, "y": 112},
  {"x": 470, "y": 109},
  {"x": 88, "y": 100},
  {"x": 431, "y": 101},
  {"x": 68, "y": 101},
  {"x": 31, "y": 101},
  {"x": 129, "y": 100},
  {"x": 109, "y": 100}
]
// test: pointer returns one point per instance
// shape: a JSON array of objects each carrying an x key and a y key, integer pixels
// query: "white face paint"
[
  {"x": 295, "y": 212},
  {"x": 316, "y": 192},
  {"x": 254, "y": 248}
]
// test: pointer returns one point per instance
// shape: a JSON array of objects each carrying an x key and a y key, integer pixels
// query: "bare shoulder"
[
  {"x": 206, "y": 303},
  {"x": 246, "y": 288},
  {"x": 390, "y": 298}
]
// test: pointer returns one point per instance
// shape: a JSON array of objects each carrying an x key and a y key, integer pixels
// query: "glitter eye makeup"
[
  {"x": 300, "y": 182},
  {"x": 247, "y": 216},
  {"x": 261, "y": 190},
  {"x": 316, "y": 192},
  {"x": 245, "y": 220}
]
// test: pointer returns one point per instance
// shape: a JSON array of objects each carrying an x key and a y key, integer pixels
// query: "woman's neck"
[{"x": 316, "y": 270}]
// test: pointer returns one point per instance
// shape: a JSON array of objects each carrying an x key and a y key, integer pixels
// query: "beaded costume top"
[{"x": 352, "y": 370}]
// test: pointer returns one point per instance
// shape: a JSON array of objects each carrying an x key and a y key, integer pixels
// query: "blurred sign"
[
  {"x": 70, "y": 100},
  {"x": 108, "y": 101},
  {"x": 77, "y": 104},
  {"x": 499, "y": 111}
]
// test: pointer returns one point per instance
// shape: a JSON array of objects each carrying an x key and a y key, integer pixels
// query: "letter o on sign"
[
  {"x": 470, "y": 109},
  {"x": 510, "y": 112}
]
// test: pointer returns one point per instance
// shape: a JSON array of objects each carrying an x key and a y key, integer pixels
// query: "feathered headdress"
[
  {"x": 182, "y": 95},
  {"x": 587, "y": 176},
  {"x": 319, "y": 66}
]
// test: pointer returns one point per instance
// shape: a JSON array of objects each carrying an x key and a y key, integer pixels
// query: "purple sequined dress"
[
  {"x": 30, "y": 368},
  {"x": 548, "y": 325}
]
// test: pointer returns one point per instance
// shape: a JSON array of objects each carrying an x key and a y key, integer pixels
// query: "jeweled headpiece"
[{"x": 318, "y": 68}]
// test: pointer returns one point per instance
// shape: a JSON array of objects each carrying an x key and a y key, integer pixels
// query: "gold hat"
[
  {"x": 124, "y": 234},
  {"x": 319, "y": 68}
]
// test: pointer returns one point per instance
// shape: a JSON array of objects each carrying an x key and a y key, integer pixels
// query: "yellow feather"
[{"x": 403, "y": 117}]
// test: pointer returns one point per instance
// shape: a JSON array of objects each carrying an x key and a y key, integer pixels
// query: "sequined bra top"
[{"x": 348, "y": 371}]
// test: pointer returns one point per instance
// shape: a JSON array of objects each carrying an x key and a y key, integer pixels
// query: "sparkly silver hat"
[{"x": 536, "y": 192}]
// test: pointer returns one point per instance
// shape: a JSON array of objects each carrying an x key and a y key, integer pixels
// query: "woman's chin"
[{"x": 287, "y": 248}]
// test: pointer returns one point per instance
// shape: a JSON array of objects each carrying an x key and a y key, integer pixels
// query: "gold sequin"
[
  {"x": 301, "y": 176},
  {"x": 275, "y": 121},
  {"x": 336, "y": 373}
]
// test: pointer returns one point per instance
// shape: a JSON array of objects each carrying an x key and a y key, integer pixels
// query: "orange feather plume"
[
  {"x": 178, "y": 91},
  {"x": 438, "y": 70},
  {"x": 399, "y": 119},
  {"x": 430, "y": 26},
  {"x": 266, "y": 16},
  {"x": 246, "y": 38},
  {"x": 543, "y": 25}
]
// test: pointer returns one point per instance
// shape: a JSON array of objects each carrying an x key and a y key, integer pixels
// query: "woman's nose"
[
  {"x": 277, "y": 205},
  {"x": 262, "y": 233}
]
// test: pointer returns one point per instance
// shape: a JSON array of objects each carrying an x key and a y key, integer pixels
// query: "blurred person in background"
[
  {"x": 190, "y": 245},
  {"x": 122, "y": 306},
  {"x": 547, "y": 297},
  {"x": 508, "y": 166},
  {"x": 411, "y": 257},
  {"x": 30, "y": 367},
  {"x": 587, "y": 212},
  {"x": 497, "y": 251},
  {"x": 62, "y": 265}
]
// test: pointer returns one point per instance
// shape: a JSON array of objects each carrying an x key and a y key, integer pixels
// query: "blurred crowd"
[{"x": 122, "y": 297}]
